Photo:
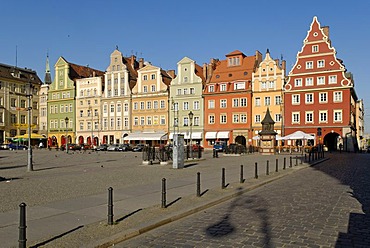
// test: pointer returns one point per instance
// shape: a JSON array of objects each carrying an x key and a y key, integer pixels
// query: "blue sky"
[{"x": 163, "y": 32}]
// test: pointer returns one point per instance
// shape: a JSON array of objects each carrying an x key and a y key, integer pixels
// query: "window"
[
  {"x": 112, "y": 123},
  {"x": 185, "y": 91},
  {"x": 295, "y": 117},
  {"x": 112, "y": 108},
  {"x": 135, "y": 105},
  {"x": 309, "y": 65},
  {"x": 142, "y": 121},
  {"x": 155, "y": 104},
  {"x": 243, "y": 102},
  {"x": 185, "y": 79},
  {"x": 236, "y": 102},
  {"x": 333, "y": 79},
  {"x": 149, "y": 120},
  {"x": 136, "y": 121},
  {"x": 320, "y": 63},
  {"x": 149, "y": 105},
  {"x": 323, "y": 97},
  {"x": 309, "y": 98},
  {"x": 196, "y": 120},
  {"x": 211, "y": 119},
  {"x": 315, "y": 48},
  {"x": 96, "y": 125},
  {"x": 309, "y": 117},
  {"x": 23, "y": 119},
  {"x": 323, "y": 116},
  {"x": 13, "y": 102},
  {"x": 186, "y": 121},
  {"x": 152, "y": 88},
  {"x": 211, "y": 88},
  {"x": 257, "y": 101},
  {"x": 257, "y": 118},
  {"x": 192, "y": 91},
  {"x": 95, "y": 112},
  {"x": 81, "y": 113},
  {"x": 122, "y": 91},
  {"x": 223, "y": 87},
  {"x": 263, "y": 85},
  {"x": 235, "y": 118},
  {"x": 320, "y": 80},
  {"x": 13, "y": 118},
  {"x": 267, "y": 101},
  {"x": 145, "y": 77},
  {"x": 179, "y": 91},
  {"x": 163, "y": 104},
  {"x": 309, "y": 81},
  {"x": 337, "y": 96},
  {"x": 105, "y": 123},
  {"x": 223, "y": 103},
  {"x": 163, "y": 120},
  {"x": 23, "y": 103},
  {"x": 243, "y": 118},
  {"x": 81, "y": 126},
  {"x": 277, "y": 117},
  {"x": 271, "y": 84},
  {"x": 185, "y": 106},
  {"x": 223, "y": 119},
  {"x": 142, "y": 105},
  {"x": 196, "y": 105},
  {"x": 115, "y": 92},
  {"x": 296, "y": 99},
  {"x": 211, "y": 104},
  {"x": 239, "y": 86},
  {"x": 126, "y": 122},
  {"x": 145, "y": 88},
  {"x": 277, "y": 100},
  {"x": 152, "y": 76},
  {"x": 298, "y": 82},
  {"x": 337, "y": 115},
  {"x": 119, "y": 107},
  {"x": 88, "y": 125}
]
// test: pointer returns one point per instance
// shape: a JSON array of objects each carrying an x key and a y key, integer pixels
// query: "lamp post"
[
  {"x": 29, "y": 151},
  {"x": 191, "y": 115},
  {"x": 66, "y": 119}
]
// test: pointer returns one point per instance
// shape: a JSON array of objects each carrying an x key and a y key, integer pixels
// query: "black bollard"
[
  {"x": 22, "y": 226},
  {"x": 256, "y": 170},
  {"x": 198, "y": 184},
  {"x": 301, "y": 160},
  {"x": 284, "y": 166},
  {"x": 290, "y": 161},
  {"x": 110, "y": 206},
  {"x": 216, "y": 154},
  {"x": 277, "y": 165},
  {"x": 296, "y": 160},
  {"x": 223, "y": 179},
  {"x": 163, "y": 192},
  {"x": 241, "y": 174},
  {"x": 267, "y": 168}
]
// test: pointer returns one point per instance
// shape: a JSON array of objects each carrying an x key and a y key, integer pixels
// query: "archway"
[
  {"x": 96, "y": 141},
  {"x": 54, "y": 141},
  {"x": 80, "y": 140},
  {"x": 331, "y": 141},
  {"x": 241, "y": 140},
  {"x": 89, "y": 141}
]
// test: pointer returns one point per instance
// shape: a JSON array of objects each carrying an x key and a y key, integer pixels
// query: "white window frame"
[
  {"x": 257, "y": 119},
  {"x": 309, "y": 81},
  {"x": 320, "y": 80},
  {"x": 211, "y": 104},
  {"x": 323, "y": 95},
  {"x": 307, "y": 100},
  {"x": 321, "y": 63},
  {"x": 337, "y": 96},
  {"x": 267, "y": 100},
  {"x": 223, "y": 103},
  {"x": 307, "y": 114},
  {"x": 309, "y": 64},
  {"x": 315, "y": 48},
  {"x": 323, "y": 113},
  {"x": 257, "y": 101},
  {"x": 298, "y": 82},
  {"x": 333, "y": 79},
  {"x": 223, "y": 119},
  {"x": 294, "y": 119},
  {"x": 211, "y": 119},
  {"x": 335, "y": 119},
  {"x": 296, "y": 99},
  {"x": 222, "y": 87}
]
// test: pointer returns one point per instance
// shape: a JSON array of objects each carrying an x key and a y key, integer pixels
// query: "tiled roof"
[
  {"x": 199, "y": 72},
  {"x": 6, "y": 73},
  {"x": 79, "y": 71}
]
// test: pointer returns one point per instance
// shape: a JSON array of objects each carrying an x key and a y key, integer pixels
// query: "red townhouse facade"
[
  {"x": 319, "y": 93},
  {"x": 227, "y": 99}
]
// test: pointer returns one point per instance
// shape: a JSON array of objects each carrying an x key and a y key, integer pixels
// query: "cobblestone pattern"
[{"x": 322, "y": 206}]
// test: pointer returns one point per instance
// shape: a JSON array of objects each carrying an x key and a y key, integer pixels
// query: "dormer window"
[{"x": 234, "y": 61}]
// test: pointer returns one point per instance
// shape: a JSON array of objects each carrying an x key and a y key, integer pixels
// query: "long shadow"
[
  {"x": 173, "y": 202},
  {"x": 353, "y": 170},
  {"x": 128, "y": 215},
  {"x": 253, "y": 203},
  {"x": 12, "y": 167},
  {"x": 56, "y": 237},
  {"x": 9, "y": 179}
]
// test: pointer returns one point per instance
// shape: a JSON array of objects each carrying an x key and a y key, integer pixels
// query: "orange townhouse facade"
[
  {"x": 227, "y": 99},
  {"x": 319, "y": 94}
]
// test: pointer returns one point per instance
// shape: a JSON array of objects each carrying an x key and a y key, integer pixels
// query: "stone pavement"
[
  {"x": 73, "y": 211},
  {"x": 327, "y": 205}
]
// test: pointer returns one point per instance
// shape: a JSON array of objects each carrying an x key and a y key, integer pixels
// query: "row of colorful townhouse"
[{"x": 224, "y": 100}]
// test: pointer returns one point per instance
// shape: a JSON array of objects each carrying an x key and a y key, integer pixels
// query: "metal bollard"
[
  {"x": 296, "y": 160},
  {"x": 301, "y": 160},
  {"x": 277, "y": 165},
  {"x": 256, "y": 170},
  {"x": 163, "y": 192},
  {"x": 241, "y": 174},
  {"x": 267, "y": 168},
  {"x": 22, "y": 226},
  {"x": 290, "y": 161},
  {"x": 198, "y": 184},
  {"x": 110, "y": 206},
  {"x": 223, "y": 179},
  {"x": 284, "y": 166}
]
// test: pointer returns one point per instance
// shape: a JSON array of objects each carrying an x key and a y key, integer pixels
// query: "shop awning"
[
  {"x": 194, "y": 135},
  {"x": 211, "y": 135},
  {"x": 33, "y": 136},
  {"x": 146, "y": 136},
  {"x": 223, "y": 135}
]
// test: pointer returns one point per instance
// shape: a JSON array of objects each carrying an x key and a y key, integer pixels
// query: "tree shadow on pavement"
[
  {"x": 248, "y": 206},
  {"x": 354, "y": 172}
]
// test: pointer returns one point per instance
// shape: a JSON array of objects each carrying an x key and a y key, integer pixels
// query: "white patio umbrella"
[{"x": 298, "y": 135}]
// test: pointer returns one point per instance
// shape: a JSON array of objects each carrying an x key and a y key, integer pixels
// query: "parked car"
[
  {"x": 113, "y": 147},
  {"x": 220, "y": 146},
  {"x": 4, "y": 147},
  {"x": 125, "y": 147},
  {"x": 71, "y": 147},
  {"x": 195, "y": 148},
  {"x": 138, "y": 148},
  {"x": 102, "y": 147},
  {"x": 85, "y": 146},
  {"x": 14, "y": 146}
]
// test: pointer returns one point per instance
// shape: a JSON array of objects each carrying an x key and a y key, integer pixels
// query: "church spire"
[{"x": 47, "y": 79}]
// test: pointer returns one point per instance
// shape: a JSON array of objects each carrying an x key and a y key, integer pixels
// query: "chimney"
[
  {"x": 276, "y": 61},
  {"x": 258, "y": 56},
  {"x": 325, "y": 29},
  {"x": 141, "y": 63},
  {"x": 133, "y": 59},
  {"x": 171, "y": 73},
  {"x": 205, "y": 70},
  {"x": 283, "y": 65},
  {"x": 93, "y": 73}
]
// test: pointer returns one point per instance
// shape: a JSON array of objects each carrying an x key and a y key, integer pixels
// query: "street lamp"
[
  {"x": 29, "y": 109},
  {"x": 191, "y": 115},
  {"x": 66, "y": 119}
]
